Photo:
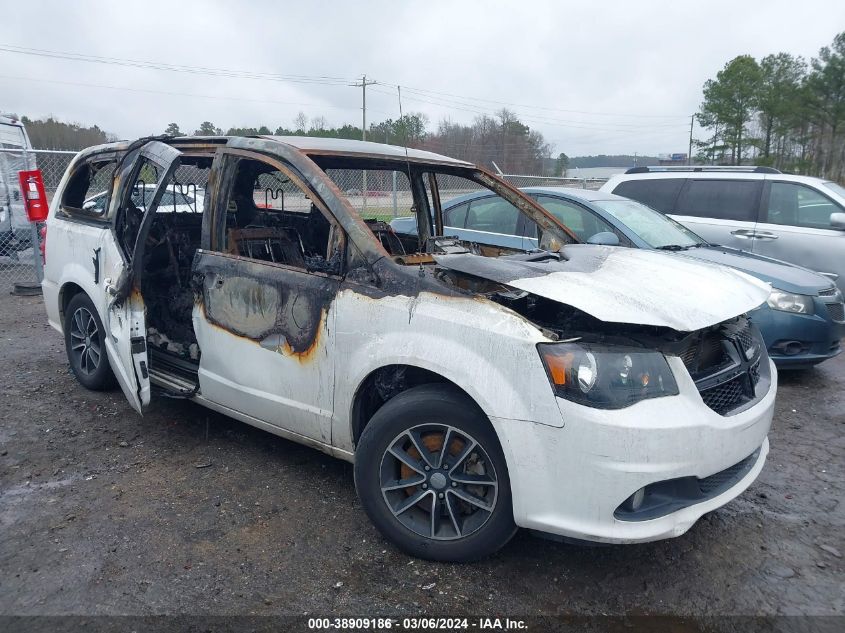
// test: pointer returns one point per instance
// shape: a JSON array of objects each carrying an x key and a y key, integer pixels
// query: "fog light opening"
[
  {"x": 790, "y": 348},
  {"x": 633, "y": 503}
]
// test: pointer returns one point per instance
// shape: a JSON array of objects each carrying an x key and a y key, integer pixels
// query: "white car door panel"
[
  {"x": 733, "y": 233},
  {"x": 267, "y": 338}
]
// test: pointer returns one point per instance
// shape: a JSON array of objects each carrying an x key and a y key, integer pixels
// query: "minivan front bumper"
[{"x": 571, "y": 481}]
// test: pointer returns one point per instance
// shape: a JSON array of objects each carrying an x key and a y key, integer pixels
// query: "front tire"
[
  {"x": 85, "y": 344},
  {"x": 431, "y": 476}
]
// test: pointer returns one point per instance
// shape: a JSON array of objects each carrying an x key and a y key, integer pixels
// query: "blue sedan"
[{"x": 802, "y": 322}]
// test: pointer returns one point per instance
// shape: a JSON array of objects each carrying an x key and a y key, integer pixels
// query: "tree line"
[
  {"x": 780, "y": 111},
  {"x": 50, "y": 133},
  {"x": 502, "y": 140}
]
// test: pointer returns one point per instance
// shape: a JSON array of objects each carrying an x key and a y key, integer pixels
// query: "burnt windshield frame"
[{"x": 417, "y": 170}]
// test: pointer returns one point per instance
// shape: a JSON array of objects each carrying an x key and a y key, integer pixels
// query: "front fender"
[{"x": 485, "y": 349}]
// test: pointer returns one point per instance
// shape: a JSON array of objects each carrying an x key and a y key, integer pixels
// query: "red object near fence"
[{"x": 34, "y": 197}]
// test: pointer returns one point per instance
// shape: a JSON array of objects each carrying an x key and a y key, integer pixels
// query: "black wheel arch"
[
  {"x": 66, "y": 293},
  {"x": 386, "y": 382}
]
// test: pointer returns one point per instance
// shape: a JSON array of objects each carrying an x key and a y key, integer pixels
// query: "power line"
[
  {"x": 610, "y": 127},
  {"x": 433, "y": 97},
  {"x": 197, "y": 70},
  {"x": 523, "y": 105},
  {"x": 542, "y": 119},
  {"x": 441, "y": 99},
  {"x": 181, "y": 94}
]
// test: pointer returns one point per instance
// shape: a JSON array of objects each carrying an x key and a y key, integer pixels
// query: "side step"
[
  {"x": 175, "y": 384},
  {"x": 175, "y": 375}
]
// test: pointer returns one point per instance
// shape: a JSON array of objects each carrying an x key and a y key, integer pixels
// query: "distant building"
[
  {"x": 594, "y": 172},
  {"x": 673, "y": 159}
]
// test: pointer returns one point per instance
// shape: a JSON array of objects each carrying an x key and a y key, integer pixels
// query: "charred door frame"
[
  {"x": 280, "y": 312},
  {"x": 166, "y": 158},
  {"x": 124, "y": 313}
]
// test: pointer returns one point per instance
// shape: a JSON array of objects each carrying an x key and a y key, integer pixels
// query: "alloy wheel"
[
  {"x": 438, "y": 481},
  {"x": 85, "y": 341}
]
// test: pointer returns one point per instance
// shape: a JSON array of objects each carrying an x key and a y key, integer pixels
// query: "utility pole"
[
  {"x": 363, "y": 85},
  {"x": 689, "y": 153}
]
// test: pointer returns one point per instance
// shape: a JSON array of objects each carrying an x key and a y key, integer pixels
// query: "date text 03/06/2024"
[{"x": 415, "y": 624}]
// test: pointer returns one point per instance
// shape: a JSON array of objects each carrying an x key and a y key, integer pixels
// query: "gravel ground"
[{"x": 187, "y": 511}]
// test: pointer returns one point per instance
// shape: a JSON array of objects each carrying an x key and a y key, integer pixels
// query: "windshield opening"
[
  {"x": 657, "y": 230},
  {"x": 417, "y": 209}
]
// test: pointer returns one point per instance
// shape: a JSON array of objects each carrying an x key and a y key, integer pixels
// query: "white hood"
[{"x": 626, "y": 285}]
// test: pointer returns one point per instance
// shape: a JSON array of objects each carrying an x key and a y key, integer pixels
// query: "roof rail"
[{"x": 754, "y": 169}]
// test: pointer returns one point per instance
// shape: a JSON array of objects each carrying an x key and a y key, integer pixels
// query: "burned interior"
[{"x": 174, "y": 236}]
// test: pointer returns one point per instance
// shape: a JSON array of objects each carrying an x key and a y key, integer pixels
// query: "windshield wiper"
[
  {"x": 537, "y": 255},
  {"x": 672, "y": 247}
]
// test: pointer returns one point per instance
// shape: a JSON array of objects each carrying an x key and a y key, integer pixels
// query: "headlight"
[
  {"x": 606, "y": 376},
  {"x": 788, "y": 302}
]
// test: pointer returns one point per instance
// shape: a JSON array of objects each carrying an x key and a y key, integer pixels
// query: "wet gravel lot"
[{"x": 187, "y": 511}]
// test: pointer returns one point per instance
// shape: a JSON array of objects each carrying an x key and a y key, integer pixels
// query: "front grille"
[
  {"x": 725, "y": 397},
  {"x": 830, "y": 292},
  {"x": 754, "y": 372},
  {"x": 705, "y": 353},
  {"x": 726, "y": 365},
  {"x": 836, "y": 311},
  {"x": 745, "y": 339}
]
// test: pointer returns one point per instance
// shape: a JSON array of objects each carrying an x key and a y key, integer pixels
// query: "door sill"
[
  {"x": 173, "y": 384},
  {"x": 275, "y": 430}
]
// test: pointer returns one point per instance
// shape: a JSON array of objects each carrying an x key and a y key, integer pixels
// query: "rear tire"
[
  {"x": 431, "y": 476},
  {"x": 85, "y": 344}
]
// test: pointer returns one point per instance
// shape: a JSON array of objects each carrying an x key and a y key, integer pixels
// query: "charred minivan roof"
[
  {"x": 313, "y": 145},
  {"x": 347, "y": 147}
]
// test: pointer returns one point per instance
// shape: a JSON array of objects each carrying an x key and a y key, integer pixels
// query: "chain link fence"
[
  {"x": 20, "y": 255},
  {"x": 385, "y": 194}
]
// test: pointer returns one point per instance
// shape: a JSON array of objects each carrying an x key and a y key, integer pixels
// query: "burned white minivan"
[{"x": 592, "y": 392}]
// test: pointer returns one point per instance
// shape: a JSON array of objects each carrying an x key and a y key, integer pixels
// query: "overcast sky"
[{"x": 593, "y": 77}]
